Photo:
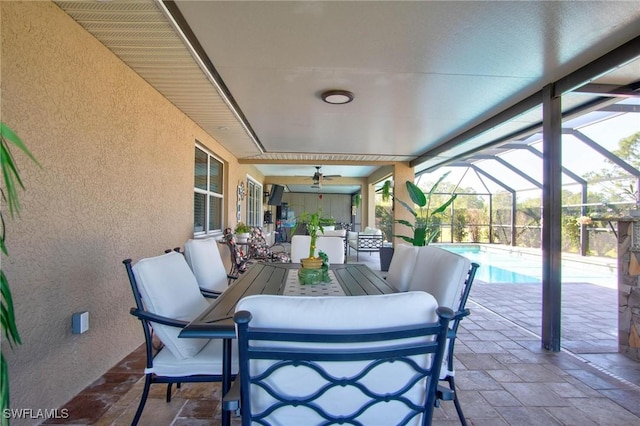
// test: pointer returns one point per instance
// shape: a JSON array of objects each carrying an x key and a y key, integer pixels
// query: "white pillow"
[
  {"x": 440, "y": 273},
  {"x": 203, "y": 257},
  {"x": 168, "y": 288},
  {"x": 402, "y": 266}
]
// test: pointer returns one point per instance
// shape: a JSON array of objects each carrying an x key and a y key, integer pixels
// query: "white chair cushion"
[
  {"x": 335, "y": 233},
  {"x": 338, "y": 313},
  {"x": 300, "y": 247},
  {"x": 207, "y": 361},
  {"x": 205, "y": 261},
  {"x": 333, "y": 247},
  {"x": 402, "y": 266},
  {"x": 441, "y": 273},
  {"x": 168, "y": 288}
]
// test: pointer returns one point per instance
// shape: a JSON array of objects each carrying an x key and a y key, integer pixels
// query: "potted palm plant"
[
  {"x": 314, "y": 223},
  {"x": 427, "y": 222}
]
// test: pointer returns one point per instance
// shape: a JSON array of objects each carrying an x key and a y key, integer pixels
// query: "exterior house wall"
[{"x": 115, "y": 182}]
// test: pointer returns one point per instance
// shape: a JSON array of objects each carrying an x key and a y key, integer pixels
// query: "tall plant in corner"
[
  {"x": 427, "y": 223},
  {"x": 9, "y": 192}
]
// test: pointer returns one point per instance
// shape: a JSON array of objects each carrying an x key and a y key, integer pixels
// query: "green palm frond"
[{"x": 9, "y": 192}]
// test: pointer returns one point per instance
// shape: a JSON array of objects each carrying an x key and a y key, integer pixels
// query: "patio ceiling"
[{"x": 425, "y": 75}]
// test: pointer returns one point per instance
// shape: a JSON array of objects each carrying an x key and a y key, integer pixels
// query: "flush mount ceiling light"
[{"x": 337, "y": 97}]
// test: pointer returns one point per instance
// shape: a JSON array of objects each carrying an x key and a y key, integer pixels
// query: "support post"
[{"x": 551, "y": 218}]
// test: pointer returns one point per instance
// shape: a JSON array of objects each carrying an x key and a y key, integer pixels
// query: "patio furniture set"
[{"x": 361, "y": 349}]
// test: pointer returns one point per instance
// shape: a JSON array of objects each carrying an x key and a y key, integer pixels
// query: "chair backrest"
[
  {"x": 440, "y": 273},
  {"x": 359, "y": 358},
  {"x": 168, "y": 288},
  {"x": 402, "y": 266},
  {"x": 238, "y": 259},
  {"x": 300, "y": 247},
  {"x": 205, "y": 261},
  {"x": 333, "y": 247}
]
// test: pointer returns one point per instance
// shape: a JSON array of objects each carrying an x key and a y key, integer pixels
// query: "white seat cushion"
[
  {"x": 440, "y": 273},
  {"x": 339, "y": 313},
  {"x": 168, "y": 288},
  {"x": 207, "y": 361},
  {"x": 402, "y": 266},
  {"x": 205, "y": 261}
]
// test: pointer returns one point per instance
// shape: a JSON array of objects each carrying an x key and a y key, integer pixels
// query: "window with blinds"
[{"x": 208, "y": 194}]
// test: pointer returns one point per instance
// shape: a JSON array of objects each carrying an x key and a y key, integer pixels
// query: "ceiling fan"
[{"x": 318, "y": 177}]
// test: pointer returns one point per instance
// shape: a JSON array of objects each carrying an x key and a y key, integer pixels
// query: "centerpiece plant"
[
  {"x": 426, "y": 226},
  {"x": 314, "y": 223}
]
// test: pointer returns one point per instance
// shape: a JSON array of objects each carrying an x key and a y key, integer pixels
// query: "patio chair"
[
  {"x": 333, "y": 247},
  {"x": 448, "y": 277},
  {"x": 300, "y": 247},
  {"x": 403, "y": 262},
  {"x": 371, "y": 360},
  {"x": 205, "y": 261},
  {"x": 167, "y": 298},
  {"x": 239, "y": 262},
  {"x": 259, "y": 249}
]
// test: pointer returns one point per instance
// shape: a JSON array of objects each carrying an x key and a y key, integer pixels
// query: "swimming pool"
[{"x": 523, "y": 268}]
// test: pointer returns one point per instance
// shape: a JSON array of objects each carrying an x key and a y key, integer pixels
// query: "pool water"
[{"x": 497, "y": 267}]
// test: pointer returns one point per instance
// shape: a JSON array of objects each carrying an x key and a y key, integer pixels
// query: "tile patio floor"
[{"x": 502, "y": 374}]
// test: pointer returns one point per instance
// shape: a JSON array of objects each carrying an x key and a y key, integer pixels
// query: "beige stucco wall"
[{"x": 116, "y": 181}]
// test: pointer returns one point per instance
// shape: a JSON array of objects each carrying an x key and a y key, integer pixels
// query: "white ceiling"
[{"x": 422, "y": 72}]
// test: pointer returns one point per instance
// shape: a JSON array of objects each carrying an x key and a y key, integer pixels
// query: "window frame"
[
  {"x": 208, "y": 193},
  {"x": 253, "y": 216}
]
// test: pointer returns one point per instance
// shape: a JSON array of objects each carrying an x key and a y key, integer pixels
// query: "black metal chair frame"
[
  {"x": 310, "y": 357},
  {"x": 147, "y": 319},
  {"x": 445, "y": 394}
]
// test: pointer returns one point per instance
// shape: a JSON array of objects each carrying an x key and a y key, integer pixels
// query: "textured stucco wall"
[{"x": 116, "y": 181}]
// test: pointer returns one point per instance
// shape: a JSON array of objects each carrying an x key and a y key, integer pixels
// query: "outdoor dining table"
[{"x": 216, "y": 322}]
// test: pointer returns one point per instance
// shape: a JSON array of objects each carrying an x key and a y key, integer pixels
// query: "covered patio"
[{"x": 127, "y": 115}]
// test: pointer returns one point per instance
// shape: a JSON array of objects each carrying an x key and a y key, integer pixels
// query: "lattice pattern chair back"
[{"x": 349, "y": 360}]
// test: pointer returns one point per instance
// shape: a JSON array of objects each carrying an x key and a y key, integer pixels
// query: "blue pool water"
[{"x": 496, "y": 267}]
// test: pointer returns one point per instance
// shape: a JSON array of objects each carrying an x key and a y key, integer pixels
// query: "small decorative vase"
[
  {"x": 310, "y": 276},
  {"x": 311, "y": 262}
]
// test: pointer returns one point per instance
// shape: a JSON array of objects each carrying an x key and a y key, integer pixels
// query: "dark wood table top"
[{"x": 270, "y": 278}]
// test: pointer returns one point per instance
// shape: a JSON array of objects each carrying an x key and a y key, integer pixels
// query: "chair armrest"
[
  {"x": 231, "y": 400},
  {"x": 460, "y": 314},
  {"x": 148, "y": 316},
  {"x": 444, "y": 394}
]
